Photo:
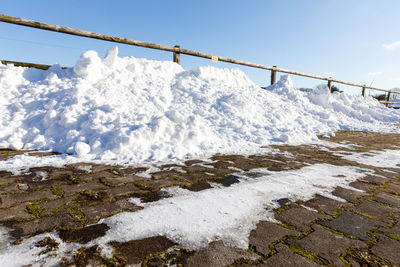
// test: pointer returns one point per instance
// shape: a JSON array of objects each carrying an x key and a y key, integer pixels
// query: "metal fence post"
[
  {"x": 273, "y": 76},
  {"x": 177, "y": 55}
]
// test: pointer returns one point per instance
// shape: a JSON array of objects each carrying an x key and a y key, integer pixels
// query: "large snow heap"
[{"x": 130, "y": 110}]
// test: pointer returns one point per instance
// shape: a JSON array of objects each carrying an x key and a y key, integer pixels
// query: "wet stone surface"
[{"x": 364, "y": 231}]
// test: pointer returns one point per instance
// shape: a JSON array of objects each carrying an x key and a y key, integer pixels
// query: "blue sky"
[{"x": 356, "y": 41}]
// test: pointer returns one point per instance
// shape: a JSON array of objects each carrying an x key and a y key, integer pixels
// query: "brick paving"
[{"x": 363, "y": 231}]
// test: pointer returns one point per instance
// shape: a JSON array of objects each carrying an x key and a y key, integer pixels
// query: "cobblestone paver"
[
  {"x": 286, "y": 257},
  {"x": 325, "y": 244},
  {"x": 299, "y": 217},
  {"x": 361, "y": 230},
  {"x": 266, "y": 233}
]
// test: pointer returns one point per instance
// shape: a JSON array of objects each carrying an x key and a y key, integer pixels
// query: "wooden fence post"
[
  {"x": 330, "y": 85},
  {"x": 363, "y": 90},
  {"x": 177, "y": 55},
  {"x": 387, "y": 99},
  {"x": 273, "y": 76}
]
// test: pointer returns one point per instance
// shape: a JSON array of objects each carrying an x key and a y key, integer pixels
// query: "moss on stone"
[
  {"x": 56, "y": 190},
  {"x": 78, "y": 216},
  {"x": 394, "y": 236},
  {"x": 177, "y": 178},
  {"x": 92, "y": 195},
  {"x": 312, "y": 256},
  {"x": 74, "y": 179},
  {"x": 114, "y": 171},
  {"x": 34, "y": 209},
  {"x": 115, "y": 261},
  {"x": 105, "y": 182},
  {"x": 142, "y": 186}
]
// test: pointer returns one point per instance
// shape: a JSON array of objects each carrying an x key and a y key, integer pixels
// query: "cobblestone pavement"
[{"x": 364, "y": 231}]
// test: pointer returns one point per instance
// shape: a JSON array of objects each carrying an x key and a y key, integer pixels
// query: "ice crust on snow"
[{"x": 130, "y": 110}]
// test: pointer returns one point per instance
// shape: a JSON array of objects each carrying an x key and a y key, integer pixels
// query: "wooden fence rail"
[
  {"x": 389, "y": 102},
  {"x": 28, "y": 65},
  {"x": 25, "y": 64},
  {"x": 177, "y": 51}
]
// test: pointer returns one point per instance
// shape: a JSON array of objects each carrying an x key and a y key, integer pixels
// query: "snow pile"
[
  {"x": 129, "y": 110},
  {"x": 340, "y": 110}
]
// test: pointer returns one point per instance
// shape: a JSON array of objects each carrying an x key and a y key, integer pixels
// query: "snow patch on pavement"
[
  {"x": 384, "y": 159},
  {"x": 28, "y": 253},
  {"x": 193, "y": 219}
]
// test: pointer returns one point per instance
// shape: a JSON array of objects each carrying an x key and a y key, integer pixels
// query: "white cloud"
[
  {"x": 375, "y": 73},
  {"x": 391, "y": 46}
]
